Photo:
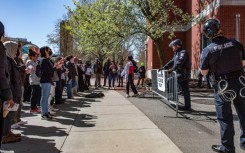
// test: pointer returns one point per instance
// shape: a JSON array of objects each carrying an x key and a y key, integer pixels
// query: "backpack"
[
  {"x": 95, "y": 95},
  {"x": 135, "y": 67}
]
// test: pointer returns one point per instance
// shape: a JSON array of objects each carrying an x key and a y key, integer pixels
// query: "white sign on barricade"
[{"x": 161, "y": 80}]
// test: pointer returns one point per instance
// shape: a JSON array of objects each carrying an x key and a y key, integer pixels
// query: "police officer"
[
  {"x": 181, "y": 64},
  {"x": 225, "y": 79}
]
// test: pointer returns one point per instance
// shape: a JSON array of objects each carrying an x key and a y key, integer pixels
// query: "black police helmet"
[
  {"x": 175, "y": 43},
  {"x": 1, "y": 29},
  {"x": 211, "y": 28}
]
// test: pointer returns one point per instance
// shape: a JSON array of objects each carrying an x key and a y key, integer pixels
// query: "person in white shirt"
[{"x": 88, "y": 73}]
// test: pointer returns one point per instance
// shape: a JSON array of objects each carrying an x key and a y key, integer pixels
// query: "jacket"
[
  {"x": 106, "y": 66},
  {"x": 142, "y": 71},
  {"x": 72, "y": 71},
  {"x": 47, "y": 71},
  {"x": 181, "y": 64},
  {"x": 5, "y": 91},
  {"x": 98, "y": 68},
  {"x": 15, "y": 79},
  {"x": 22, "y": 68}
]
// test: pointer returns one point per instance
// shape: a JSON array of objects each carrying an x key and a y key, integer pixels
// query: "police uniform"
[
  {"x": 181, "y": 64},
  {"x": 223, "y": 58}
]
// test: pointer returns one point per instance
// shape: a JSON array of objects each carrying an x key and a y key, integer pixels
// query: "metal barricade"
[{"x": 165, "y": 85}]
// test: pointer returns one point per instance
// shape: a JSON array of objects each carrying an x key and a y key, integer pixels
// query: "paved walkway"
[{"x": 110, "y": 124}]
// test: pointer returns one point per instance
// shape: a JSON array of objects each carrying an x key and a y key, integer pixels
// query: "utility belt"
[{"x": 231, "y": 75}]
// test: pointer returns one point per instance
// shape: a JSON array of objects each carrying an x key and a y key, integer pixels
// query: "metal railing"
[{"x": 165, "y": 85}]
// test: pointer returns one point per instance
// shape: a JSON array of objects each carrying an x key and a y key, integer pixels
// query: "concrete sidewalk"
[{"x": 110, "y": 124}]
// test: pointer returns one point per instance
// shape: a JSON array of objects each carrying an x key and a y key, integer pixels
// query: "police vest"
[{"x": 225, "y": 56}]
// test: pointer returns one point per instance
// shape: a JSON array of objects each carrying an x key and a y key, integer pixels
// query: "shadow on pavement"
[
  {"x": 37, "y": 130},
  {"x": 48, "y": 138},
  {"x": 32, "y": 145}
]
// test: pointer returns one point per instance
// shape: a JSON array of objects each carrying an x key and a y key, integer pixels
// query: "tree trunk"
[{"x": 159, "y": 46}]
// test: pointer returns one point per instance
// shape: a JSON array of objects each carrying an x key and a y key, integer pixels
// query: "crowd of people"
[{"x": 42, "y": 78}]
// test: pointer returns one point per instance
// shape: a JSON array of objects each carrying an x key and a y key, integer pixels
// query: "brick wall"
[
  {"x": 192, "y": 39},
  {"x": 150, "y": 49},
  {"x": 228, "y": 21}
]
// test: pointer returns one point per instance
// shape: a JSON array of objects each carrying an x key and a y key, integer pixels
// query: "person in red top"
[
  {"x": 128, "y": 72},
  {"x": 112, "y": 74}
]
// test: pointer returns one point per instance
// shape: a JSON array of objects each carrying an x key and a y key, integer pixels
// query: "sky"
[{"x": 32, "y": 19}]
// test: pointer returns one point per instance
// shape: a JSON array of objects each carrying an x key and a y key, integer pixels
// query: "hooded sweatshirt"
[
  {"x": 13, "y": 70},
  {"x": 11, "y": 49},
  {"x": 5, "y": 90}
]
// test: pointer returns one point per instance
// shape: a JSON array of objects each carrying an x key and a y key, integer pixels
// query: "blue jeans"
[
  {"x": 71, "y": 84},
  {"x": 225, "y": 117},
  {"x": 112, "y": 78},
  {"x": 45, "y": 91}
]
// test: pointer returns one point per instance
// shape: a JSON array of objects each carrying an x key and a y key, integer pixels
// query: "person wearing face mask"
[
  {"x": 5, "y": 90},
  {"x": 34, "y": 81}
]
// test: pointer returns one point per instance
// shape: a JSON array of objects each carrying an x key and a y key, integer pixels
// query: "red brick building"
[{"x": 227, "y": 11}]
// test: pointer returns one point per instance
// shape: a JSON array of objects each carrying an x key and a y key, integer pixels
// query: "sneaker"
[
  {"x": 15, "y": 126},
  {"x": 127, "y": 95},
  {"x": 135, "y": 95},
  {"x": 51, "y": 114},
  {"x": 46, "y": 116},
  {"x": 22, "y": 122},
  {"x": 53, "y": 109},
  {"x": 9, "y": 139},
  {"x": 36, "y": 110}
]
